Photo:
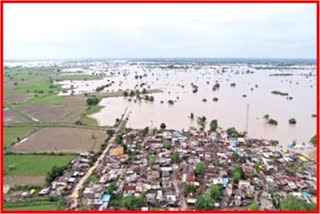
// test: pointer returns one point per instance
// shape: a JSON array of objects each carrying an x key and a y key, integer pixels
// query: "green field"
[
  {"x": 85, "y": 120},
  {"x": 12, "y": 133},
  {"x": 31, "y": 205},
  {"x": 45, "y": 99},
  {"x": 34, "y": 165}
]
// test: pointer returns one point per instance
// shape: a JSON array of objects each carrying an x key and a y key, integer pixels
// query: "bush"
[
  {"x": 294, "y": 203},
  {"x": 189, "y": 188},
  {"x": 292, "y": 121},
  {"x": 213, "y": 125},
  {"x": 92, "y": 101},
  {"x": 273, "y": 122},
  {"x": 176, "y": 157},
  {"x": 54, "y": 173},
  {"x": 254, "y": 206},
  {"x": 200, "y": 169},
  {"x": 163, "y": 126},
  {"x": 167, "y": 144}
]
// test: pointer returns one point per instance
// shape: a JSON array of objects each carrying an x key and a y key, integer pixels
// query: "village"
[{"x": 163, "y": 169}]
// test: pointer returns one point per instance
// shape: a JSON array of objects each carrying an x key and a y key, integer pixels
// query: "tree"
[
  {"x": 254, "y": 206},
  {"x": 272, "y": 122},
  {"x": 232, "y": 132},
  {"x": 130, "y": 202},
  {"x": 292, "y": 121},
  {"x": 313, "y": 140},
  {"x": 152, "y": 159},
  {"x": 293, "y": 203},
  {"x": 202, "y": 204},
  {"x": 119, "y": 139},
  {"x": 235, "y": 156},
  {"x": 54, "y": 173},
  {"x": 213, "y": 125},
  {"x": 125, "y": 93},
  {"x": 92, "y": 101},
  {"x": 189, "y": 188},
  {"x": 215, "y": 191},
  {"x": 176, "y": 157},
  {"x": 112, "y": 187},
  {"x": 200, "y": 168},
  {"x": 167, "y": 144},
  {"x": 163, "y": 126},
  {"x": 274, "y": 142},
  {"x": 191, "y": 116},
  {"x": 145, "y": 131},
  {"x": 238, "y": 174}
]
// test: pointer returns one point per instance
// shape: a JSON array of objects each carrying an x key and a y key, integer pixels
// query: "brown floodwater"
[{"x": 231, "y": 108}]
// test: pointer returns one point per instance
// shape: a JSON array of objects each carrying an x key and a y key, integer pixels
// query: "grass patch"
[
  {"x": 12, "y": 133},
  {"x": 86, "y": 120},
  {"x": 33, "y": 165},
  {"x": 31, "y": 205},
  {"x": 46, "y": 99}
]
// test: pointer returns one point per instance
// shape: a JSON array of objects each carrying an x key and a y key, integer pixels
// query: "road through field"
[{"x": 75, "y": 194}]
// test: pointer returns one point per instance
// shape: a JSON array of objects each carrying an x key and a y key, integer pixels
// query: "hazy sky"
[{"x": 46, "y": 31}]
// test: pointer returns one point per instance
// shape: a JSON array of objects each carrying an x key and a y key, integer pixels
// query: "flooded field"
[{"x": 242, "y": 100}]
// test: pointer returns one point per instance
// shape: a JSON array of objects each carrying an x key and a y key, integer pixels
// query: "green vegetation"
[
  {"x": 209, "y": 198},
  {"x": 119, "y": 139},
  {"x": 200, "y": 169},
  {"x": 313, "y": 140},
  {"x": 167, "y": 144},
  {"x": 216, "y": 87},
  {"x": 55, "y": 172},
  {"x": 31, "y": 80},
  {"x": 217, "y": 163},
  {"x": 238, "y": 174},
  {"x": 202, "y": 121},
  {"x": 15, "y": 134},
  {"x": 45, "y": 99},
  {"x": 163, "y": 126},
  {"x": 32, "y": 205},
  {"x": 272, "y": 122},
  {"x": 213, "y": 125},
  {"x": 189, "y": 188},
  {"x": 92, "y": 179},
  {"x": 294, "y": 203},
  {"x": 232, "y": 132},
  {"x": 33, "y": 165},
  {"x": 86, "y": 120},
  {"x": 92, "y": 101},
  {"x": 280, "y": 93},
  {"x": 254, "y": 206},
  {"x": 176, "y": 157},
  {"x": 292, "y": 121},
  {"x": 152, "y": 159},
  {"x": 191, "y": 116},
  {"x": 171, "y": 102},
  {"x": 274, "y": 142}
]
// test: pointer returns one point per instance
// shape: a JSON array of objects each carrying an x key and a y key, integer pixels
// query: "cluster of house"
[{"x": 142, "y": 165}]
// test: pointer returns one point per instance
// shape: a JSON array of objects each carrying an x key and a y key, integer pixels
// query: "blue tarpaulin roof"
[
  {"x": 106, "y": 197},
  {"x": 225, "y": 181}
]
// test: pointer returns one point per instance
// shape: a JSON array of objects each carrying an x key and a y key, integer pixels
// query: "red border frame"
[{"x": 2, "y": 2}]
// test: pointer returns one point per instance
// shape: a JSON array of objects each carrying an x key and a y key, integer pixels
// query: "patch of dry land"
[
  {"x": 70, "y": 111},
  {"x": 24, "y": 180},
  {"x": 17, "y": 98},
  {"x": 10, "y": 117},
  {"x": 61, "y": 139}
]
